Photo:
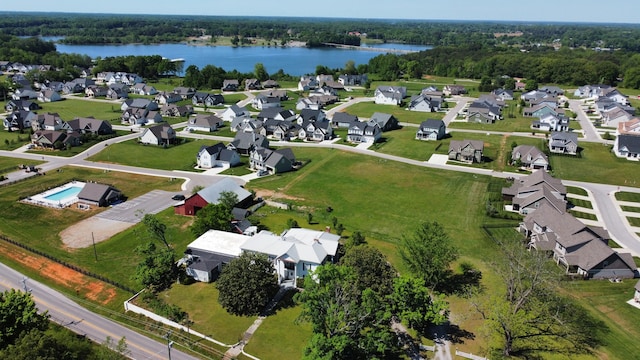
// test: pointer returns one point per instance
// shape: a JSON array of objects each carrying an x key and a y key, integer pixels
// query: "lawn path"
[
  {"x": 500, "y": 159},
  {"x": 305, "y": 174}
]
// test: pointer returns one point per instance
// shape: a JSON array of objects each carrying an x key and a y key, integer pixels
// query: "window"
[{"x": 289, "y": 265}]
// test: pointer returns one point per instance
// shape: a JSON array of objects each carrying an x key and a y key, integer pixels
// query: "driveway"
[{"x": 133, "y": 210}]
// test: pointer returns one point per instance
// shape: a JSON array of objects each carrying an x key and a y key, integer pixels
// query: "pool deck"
[{"x": 41, "y": 198}]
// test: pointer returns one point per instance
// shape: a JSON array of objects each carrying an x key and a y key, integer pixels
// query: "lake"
[{"x": 293, "y": 60}]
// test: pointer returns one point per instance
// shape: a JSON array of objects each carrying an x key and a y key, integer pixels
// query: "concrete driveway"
[{"x": 133, "y": 210}]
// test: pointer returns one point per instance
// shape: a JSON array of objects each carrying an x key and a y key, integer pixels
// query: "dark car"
[{"x": 177, "y": 197}]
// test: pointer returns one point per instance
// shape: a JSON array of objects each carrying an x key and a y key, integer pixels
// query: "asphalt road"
[{"x": 84, "y": 322}]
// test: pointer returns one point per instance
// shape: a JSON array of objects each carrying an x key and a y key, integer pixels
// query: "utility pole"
[
  {"x": 95, "y": 252},
  {"x": 169, "y": 343}
]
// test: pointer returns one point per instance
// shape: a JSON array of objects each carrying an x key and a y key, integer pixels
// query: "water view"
[{"x": 293, "y": 60}]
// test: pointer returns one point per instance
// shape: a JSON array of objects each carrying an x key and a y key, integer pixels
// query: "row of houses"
[{"x": 582, "y": 250}]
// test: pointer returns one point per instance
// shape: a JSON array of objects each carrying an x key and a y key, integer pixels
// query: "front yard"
[{"x": 366, "y": 109}]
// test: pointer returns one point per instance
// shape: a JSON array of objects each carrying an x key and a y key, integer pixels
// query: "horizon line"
[{"x": 54, "y": 13}]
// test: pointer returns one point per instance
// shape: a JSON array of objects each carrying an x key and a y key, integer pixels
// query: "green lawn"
[
  {"x": 583, "y": 215},
  {"x": 577, "y": 190},
  {"x": 8, "y": 164},
  {"x": 200, "y": 301},
  {"x": 597, "y": 165},
  {"x": 634, "y": 221},
  {"x": 13, "y": 140},
  {"x": 233, "y": 98},
  {"x": 366, "y": 109},
  {"x": 180, "y": 157},
  {"x": 74, "y": 150},
  {"x": 581, "y": 203},
  {"x": 628, "y": 196},
  {"x": 70, "y": 109},
  {"x": 630, "y": 208}
]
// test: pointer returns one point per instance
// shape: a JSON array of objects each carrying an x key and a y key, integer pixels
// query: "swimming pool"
[{"x": 64, "y": 194}]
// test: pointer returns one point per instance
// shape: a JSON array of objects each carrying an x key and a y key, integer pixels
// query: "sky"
[{"x": 610, "y": 11}]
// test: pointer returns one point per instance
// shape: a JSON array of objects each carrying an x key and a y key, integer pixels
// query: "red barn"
[{"x": 211, "y": 195}]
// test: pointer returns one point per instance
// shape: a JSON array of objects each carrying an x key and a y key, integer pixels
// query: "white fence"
[{"x": 469, "y": 356}]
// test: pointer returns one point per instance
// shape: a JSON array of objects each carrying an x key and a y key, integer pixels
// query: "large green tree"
[
  {"x": 372, "y": 270},
  {"x": 529, "y": 316},
  {"x": 157, "y": 269},
  {"x": 247, "y": 284},
  {"x": 212, "y": 216},
  {"x": 18, "y": 315},
  {"x": 428, "y": 252},
  {"x": 414, "y": 305}
]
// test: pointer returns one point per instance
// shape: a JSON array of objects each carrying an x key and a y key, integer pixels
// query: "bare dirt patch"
[
  {"x": 83, "y": 233},
  {"x": 270, "y": 194},
  {"x": 91, "y": 289}
]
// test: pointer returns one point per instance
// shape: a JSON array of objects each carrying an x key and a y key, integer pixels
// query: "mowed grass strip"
[
  {"x": 366, "y": 110},
  {"x": 132, "y": 153},
  {"x": 634, "y": 221},
  {"x": 577, "y": 190},
  {"x": 630, "y": 209},
  {"x": 628, "y": 196}
]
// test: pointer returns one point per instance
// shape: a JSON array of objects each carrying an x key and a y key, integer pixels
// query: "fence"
[
  {"x": 469, "y": 356},
  {"x": 277, "y": 204},
  {"x": 129, "y": 306},
  {"x": 67, "y": 265}
]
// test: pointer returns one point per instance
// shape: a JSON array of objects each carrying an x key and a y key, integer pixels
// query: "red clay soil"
[{"x": 83, "y": 285}]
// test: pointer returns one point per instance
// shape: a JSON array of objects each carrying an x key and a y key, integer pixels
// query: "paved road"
[
  {"x": 461, "y": 102},
  {"x": 84, "y": 322},
  {"x": 590, "y": 133}
]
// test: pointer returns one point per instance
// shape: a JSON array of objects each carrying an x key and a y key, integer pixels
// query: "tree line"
[{"x": 126, "y": 29}]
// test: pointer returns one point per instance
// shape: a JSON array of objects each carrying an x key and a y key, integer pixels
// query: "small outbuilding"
[{"x": 95, "y": 194}]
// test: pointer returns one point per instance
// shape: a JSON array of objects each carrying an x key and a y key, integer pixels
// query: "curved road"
[{"x": 84, "y": 322}]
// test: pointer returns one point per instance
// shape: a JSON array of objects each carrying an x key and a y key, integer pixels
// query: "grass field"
[
  {"x": 597, "y": 165},
  {"x": 70, "y": 109},
  {"x": 366, "y": 109},
  {"x": 577, "y": 190},
  {"x": 8, "y": 164},
  {"x": 13, "y": 140},
  {"x": 180, "y": 157}
]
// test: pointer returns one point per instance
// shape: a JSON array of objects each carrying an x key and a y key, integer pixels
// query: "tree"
[
  {"x": 371, "y": 268},
  {"x": 428, "y": 252},
  {"x": 114, "y": 351},
  {"x": 529, "y": 315},
  {"x": 228, "y": 199},
  {"x": 309, "y": 218},
  {"x": 347, "y": 323},
  {"x": 212, "y": 216},
  {"x": 19, "y": 315},
  {"x": 157, "y": 270},
  {"x": 355, "y": 239},
  {"x": 530, "y": 85},
  {"x": 260, "y": 72},
  {"x": 247, "y": 284},
  {"x": 155, "y": 229},
  {"x": 485, "y": 84},
  {"x": 414, "y": 305},
  {"x": 350, "y": 68}
]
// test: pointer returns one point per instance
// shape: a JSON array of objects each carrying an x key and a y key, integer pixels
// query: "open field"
[
  {"x": 8, "y": 164},
  {"x": 13, "y": 140},
  {"x": 180, "y": 157},
  {"x": 70, "y": 109},
  {"x": 366, "y": 109}
]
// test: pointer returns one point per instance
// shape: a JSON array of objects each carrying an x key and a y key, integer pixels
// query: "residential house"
[
  {"x": 627, "y": 146},
  {"x": 206, "y": 256},
  {"x": 469, "y": 151},
  {"x": 615, "y": 95},
  {"x": 296, "y": 252},
  {"x": 563, "y": 143},
  {"x": 450, "y": 90},
  {"x": 431, "y": 130},
  {"x": 217, "y": 156},
  {"x": 139, "y": 104},
  {"x": 616, "y": 116},
  {"x": 17, "y": 105},
  {"x": 484, "y": 112},
  {"x": 48, "y": 96},
  {"x": 529, "y": 157},
  {"x": 49, "y": 121},
  {"x": 343, "y": 120},
  {"x": 322, "y": 78},
  {"x": 277, "y": 113},
  {"x": 272, "y": 161},
  {"x": 310, "y": 115},
  {"x": 19, "y": 120},
  {"x": 174, "y": 110},
  {"x": 185, "y": 93},
  {"x": 502, "y": 94},
  {"x": 24, "y": 94},
  {"x": 140, "y": 116},
  {"x": 387, "y": 122},
  {"x": 235, "y": 112},
  {"x": 631, "y": 127},
  {"x": 551, "y": 122},
  {"x": 535, "y": 95},
  {"x": 230, "y": 85},
  {"x": 117, "y": 93},
  {"x": 390, "y": 95},
  {"x": 206, "y": 99},
  {"x": 353, "y": 80},
  {"x": 164, "y": 98},
  {"x": 211, "y": 195},
  {"x": 307, "y": 83},
  {"x": 90, "y": 125},
  {"x": 143, "y": 89},
  {"x": 204, "y": 122},
  {"x": 96, "y": 91},
  {"x": 529, "y": 192},
  {"x": 55, "y": 139},
  {"x": 162, "y": 134},
  {"x": 424, "y": 103},
  {"x": 270, "y": 84},
  {"x": 552, "y": 90},
  {"x": 245, "y": 142},
  {"x": 364, "y": 132},
  {"x": 262, "y": 102},
  {"x": 582, "y": 250},
  {"x": 325, "y": 90},
  {"x": 99, "y": 195},
  {"x": 252, "y": 84},
  {"x": 540, "y": 110},
  {"x": 316, "y": 130}
]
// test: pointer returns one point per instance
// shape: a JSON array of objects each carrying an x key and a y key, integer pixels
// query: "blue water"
[
  {"x": 292, "y": 60},
  {"x": 64, "y": 194}
]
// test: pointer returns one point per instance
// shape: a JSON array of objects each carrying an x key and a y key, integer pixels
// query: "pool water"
[{"x": 64, "y": 194}]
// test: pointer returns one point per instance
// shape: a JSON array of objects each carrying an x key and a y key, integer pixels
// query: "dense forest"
[{"x": 121, "y": 29}]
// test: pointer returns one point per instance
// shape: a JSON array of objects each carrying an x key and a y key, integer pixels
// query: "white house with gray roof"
[
  {"x": 431, "y": 130},
  {"x": 627, "y": 146}
]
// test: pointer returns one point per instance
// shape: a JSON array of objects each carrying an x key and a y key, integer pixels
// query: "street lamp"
[{"x": 169, "y": 343}]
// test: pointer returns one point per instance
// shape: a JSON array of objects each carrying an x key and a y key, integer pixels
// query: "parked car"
[{"x": 178, "y": 197}]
